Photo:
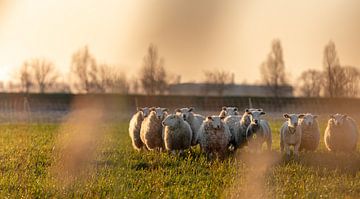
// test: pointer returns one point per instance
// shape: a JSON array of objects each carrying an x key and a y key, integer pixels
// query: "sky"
[{"x": 192, "y": 36}]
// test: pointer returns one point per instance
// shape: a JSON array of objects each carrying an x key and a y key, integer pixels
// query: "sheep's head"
[
  {"x": 184, "y": 112},
  {"x": 293, "y": 119},
  {"x": 144, "y": 110},
  {"x": 159, "y": 112},
  {"x": 337, "y": 119},
  {"x": 227, "y": 111},
  {"x": 255, "y": 115},
  {"x": 172, "y": 120},
  {"x": 308, "y": 119},
  {"x": 215, "y": 121}
]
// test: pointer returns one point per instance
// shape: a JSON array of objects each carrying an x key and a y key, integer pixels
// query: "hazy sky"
[{"x": 192, "y": 35}]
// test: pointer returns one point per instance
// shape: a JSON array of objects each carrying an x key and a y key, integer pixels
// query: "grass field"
[{"x": 48, "y": 160}]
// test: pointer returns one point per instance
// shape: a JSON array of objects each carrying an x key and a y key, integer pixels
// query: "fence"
[{"x": 54, "y": 107}]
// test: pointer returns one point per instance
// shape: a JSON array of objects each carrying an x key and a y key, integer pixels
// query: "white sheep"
[
  {"x": 245, "y": 121},
  {"x": 310, "y": 132},
  {"x": 177, "y": 133},
  {"x": 341, "y": 133},
  {"x": 194, "y": 120},
  {"x": 151, "y": 129},
  {"x": 227, "y": 111},
  {"x": 258, "y": 131},
  {"x": 290, "y": 134},
  {"x": 214, "y": 137},
  {"x": 135, "y": 126}
]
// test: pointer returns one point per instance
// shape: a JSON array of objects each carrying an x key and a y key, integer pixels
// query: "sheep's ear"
[
  {"x": 222, "y": 117},
  {"x": 315, "y": 116},
  {"x": 139, "y": 109},
  {"x": 260, "y": 109},
  {"x": 332, "y": 116},
  {"x": 177, "y": 110},
  {"x": 209, "y": 118},
  {"x": 286, "y": 115},
  {"x": 247, "y": 110},
  {"x": 262, "y": 113},
  {"x": 164, "y": 109},
  {"x": 344, "y": 116},
  {"x": 235, "y": 109},
  {"x": 191, "y": 109},
  {"x": 224, "y": 108},
  {"x": 301, "y": 115},
  {"x": 152, "y": 109}
]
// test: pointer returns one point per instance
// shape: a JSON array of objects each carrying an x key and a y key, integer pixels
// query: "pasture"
[{"x": 45, "y": 161}]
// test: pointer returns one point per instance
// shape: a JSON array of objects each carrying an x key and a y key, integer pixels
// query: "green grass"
[{"x": 34, "y": 163}]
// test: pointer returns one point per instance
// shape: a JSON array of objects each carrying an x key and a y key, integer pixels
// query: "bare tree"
[
  {"x": 26, "y": 78},
  {"x": 218, "y": 80},
  {"x": 153, "y": 76},
  {"x": 44, "y": 73},
  {"x": 334, "y": 74},
  {"x": 112, "y": 80},
  {"x": 311, "y": 82},
  {"x": 273, "y": 69},
  {"x": 85, "y": 70},
  {"x": 351, "y": 86}
]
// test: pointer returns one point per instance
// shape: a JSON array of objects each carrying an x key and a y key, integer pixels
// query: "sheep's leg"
[
  {"x": 296, "y": 150},
  {"x": 287, "y": 151},
  {"x": 181, "y": 152},
  {"x": 281, "y": 146}
]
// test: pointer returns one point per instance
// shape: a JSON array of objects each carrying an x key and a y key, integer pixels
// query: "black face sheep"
[
  {"x": 194, "y": 120},
  {"x": 341, "y": 133},
  {"x": 290, "y": 134},
  {"x": 258, "y": 131},
  {"x": 177, "y": 133},
  {"x": 151, "y": 129},
  {"x": 310, "y": 132},
  {"x": 135, "y": 126},
  {"x": 214, "y": 137}
]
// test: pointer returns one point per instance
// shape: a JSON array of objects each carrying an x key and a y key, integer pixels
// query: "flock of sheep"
[{"x": 217, "y": 135}]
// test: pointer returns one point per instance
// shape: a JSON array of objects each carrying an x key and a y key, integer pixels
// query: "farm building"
[{"x": 199, "y": 89}]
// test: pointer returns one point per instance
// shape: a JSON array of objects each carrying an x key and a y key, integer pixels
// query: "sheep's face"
[
  {"x": 160, "y": 112},
  {"x": 255, "y": 115},
  {"x": 184, "y": 112},
  {"x": 227, "y": 111},
  {"x": 215, "y": 121},
  {"x": 145, "y": 111},
  {"x": 337, "y": 119},
  {"x": 308, "y": 119},
  {"x": 172, "y": 120},
  {"x": 293, "y": 119}
]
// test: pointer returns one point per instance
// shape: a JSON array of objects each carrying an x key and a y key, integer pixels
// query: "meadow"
[{"x": 59, "y": 161}]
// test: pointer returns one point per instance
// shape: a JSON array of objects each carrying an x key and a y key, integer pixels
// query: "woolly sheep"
[
  {"x": 177, "y": 133},
  {"x": 227, "y": 111},
  {"x": 244, "y": 123},
  {"x": 258, "y": 131},
  {"x": 290, "y": 134},
  {"x": 194, "y": 120},
  {"x": 151, "y": 129},
  {"x": 341, "y": 133},
  {"x": 135, "y": 126},
  {"x": 310, "y": 132},
  {"x": 214, "y": 137}
]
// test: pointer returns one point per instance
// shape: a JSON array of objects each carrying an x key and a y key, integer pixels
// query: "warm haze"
[{"x": 192, "y": 36}]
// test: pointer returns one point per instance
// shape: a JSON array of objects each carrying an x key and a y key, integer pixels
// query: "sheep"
[
  {"x": 232, "y": 119},
  {"x": 258, "y": 131},
  {"x": 310, "y": 132},
  {"x": 177, "y": 133},
  {"x": 194, "y": 120},
  {"x": 227, "y": 111},
  {"x": 151, "y": 129},
  {"x": 341, "y": 133},
  {"x": 135, "y": 126},
  {"x": 290, "y": 134},
  {"x": 244, "y": 123},
  {"x": 214, "y": 137}
]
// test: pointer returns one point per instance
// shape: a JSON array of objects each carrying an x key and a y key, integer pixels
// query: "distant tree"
[
  {"x": 273, "y": 69},
  {"x": 351, "y": 86},
  {"x": 26, "y": 78},
  {"x": 153, "y": 77},
  {"x": 44, "y": 73},
  {"x": 311, "y": 82},
  {"x": 335, "y": 76},
  {"x": 112, "y": 80},
  {"x": 218, "y": 80},
  {"x": 86, "y": 72}
]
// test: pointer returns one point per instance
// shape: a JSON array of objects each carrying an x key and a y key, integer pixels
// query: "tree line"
[{"x": 89, "y": 76}]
